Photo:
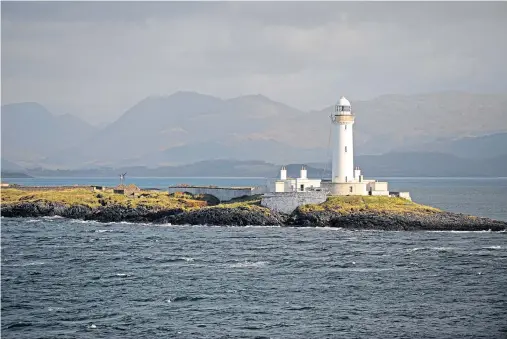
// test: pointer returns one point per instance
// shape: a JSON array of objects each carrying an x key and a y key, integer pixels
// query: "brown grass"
[{"x": 377, "y": 204}]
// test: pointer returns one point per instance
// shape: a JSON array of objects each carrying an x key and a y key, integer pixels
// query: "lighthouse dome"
[{"x": 343, "y": 102}]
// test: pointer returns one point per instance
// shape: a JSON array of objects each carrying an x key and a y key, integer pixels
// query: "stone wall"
[
  {"x": 404, "y": 195},
  {"x": 287, "y": 202},
  {"x": 222, "y": 193}
]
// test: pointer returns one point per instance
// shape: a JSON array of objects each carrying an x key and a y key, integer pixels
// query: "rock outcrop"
[
  {"x": 435, "y": 221},
  {"x": 242, "y": 216}
]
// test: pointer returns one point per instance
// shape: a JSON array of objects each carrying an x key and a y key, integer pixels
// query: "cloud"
[{"x": 96, "y": 59}]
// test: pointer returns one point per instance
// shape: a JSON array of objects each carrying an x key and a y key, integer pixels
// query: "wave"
[
  {"x": 34, "y": 263},
  {"x": 179, "y": 259},
  {"x": 439, "y": 249},
  {"x": 185, "y": 298},
  {"x": 484, "y": 231},
  {"x": 492, "y": 247},
  {"x": 249, "y": 264},
  {"x": 123, "y": 274}
]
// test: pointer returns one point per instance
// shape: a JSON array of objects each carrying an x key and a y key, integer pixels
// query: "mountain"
[
  {"x": 184, "y": 119},
  {"x": 389, "y": 122},
  {"x": 481, "y": 147},
  {"x": 9, "y": 166},
  {"x": 372, "y": 166},
  {"x": 232, "y": 148},
  {"x": 186, "y": 127},
  {"x": 30, "y": 132},
  {"x": 424, "y": 164}
]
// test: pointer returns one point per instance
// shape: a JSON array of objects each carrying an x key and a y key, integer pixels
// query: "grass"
[
  {"x": 163, "y": 200},
  {"x": 93, "y": 199},
  {"x": 154, "y": 199},
  {"x": 377, "y": 204}
]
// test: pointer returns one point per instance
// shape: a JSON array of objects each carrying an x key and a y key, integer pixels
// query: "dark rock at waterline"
[
  {"x": 439, "y": 221},
  {"x": 37, "y": 209},
  {"x": 228, "y": 216},
  {"x": 242, "y": 216}
]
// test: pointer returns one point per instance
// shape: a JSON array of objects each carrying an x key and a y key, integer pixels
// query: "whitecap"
[
  {"x": 460, "y": 231},
  {"x": 34, "y": 263},
  {"x": 122, "y": 275},
  {"x": 439, "y": 249},
  {"x": 248, "y": 264},
  {"x": 54, "y": 309},
  {"x": 492, "y": 247},
  {"x": 79, "y": 221},
  {"x": 33, "y": 220}
]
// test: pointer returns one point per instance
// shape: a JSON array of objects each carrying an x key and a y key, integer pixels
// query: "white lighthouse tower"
[{"x": 342, "y": 142}]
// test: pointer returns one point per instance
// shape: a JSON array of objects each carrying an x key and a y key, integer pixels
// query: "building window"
[
  {"x": 351, "y": 189},
  {"x": 302, "y": 188}
]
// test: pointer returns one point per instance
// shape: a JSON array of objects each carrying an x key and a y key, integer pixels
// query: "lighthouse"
[
  {"x": 346, "y": 179},
  {"x": 342, "y": 121}
]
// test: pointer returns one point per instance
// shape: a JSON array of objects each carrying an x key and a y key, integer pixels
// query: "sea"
[{"x": 65, "y": 278}]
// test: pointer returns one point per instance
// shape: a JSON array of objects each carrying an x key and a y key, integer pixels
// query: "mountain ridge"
[{"x": 160, "y": 127}]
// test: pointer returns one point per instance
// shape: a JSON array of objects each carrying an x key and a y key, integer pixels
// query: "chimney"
[
  {"x": 303, "y": 174},
  {"x": 283, "y": 173}
]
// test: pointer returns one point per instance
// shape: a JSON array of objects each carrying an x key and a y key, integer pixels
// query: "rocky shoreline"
[{"x": 243, "y": 216}]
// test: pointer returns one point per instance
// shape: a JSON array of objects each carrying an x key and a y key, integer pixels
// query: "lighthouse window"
[
  {"x": 345, "y": 148},
  {"x": 345, "y": 127}
]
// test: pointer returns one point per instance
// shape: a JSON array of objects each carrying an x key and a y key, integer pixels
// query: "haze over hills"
[
  {"x": 30, "y": 132},
  {"x": 387, "y": 165},
  {"x": 481, "y": 147},
  {"x": 188, "y": 127}
]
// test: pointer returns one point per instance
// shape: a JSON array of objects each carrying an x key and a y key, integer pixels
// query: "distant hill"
[
  {"x": 430, "y": 165},
  {"x": 481, "y": 147},
  {"x": 30, "y": 132},
  {"x": 372, "y": 166},
  {"x": 175, "y": 124},
  {"x": 187, "y": 127},
  {"x": 10, "y": 166},
  {"x": 389, "y": 122},
  {"x": 235, "y": 148},
  {"x": 14, "y": 175}
]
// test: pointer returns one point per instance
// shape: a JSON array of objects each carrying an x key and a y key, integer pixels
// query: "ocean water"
[
  {"x": 486, "y": 197},
  {"x": 74, "y": 279}
]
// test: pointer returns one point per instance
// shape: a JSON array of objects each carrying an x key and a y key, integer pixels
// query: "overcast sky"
[{"x": 97, "y": 59}]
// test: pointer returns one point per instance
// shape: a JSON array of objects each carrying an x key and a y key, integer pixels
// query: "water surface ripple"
[{"x": 73, "y": 279}]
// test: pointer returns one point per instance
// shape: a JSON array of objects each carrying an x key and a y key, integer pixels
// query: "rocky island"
[{"x": 349, "y": 212}]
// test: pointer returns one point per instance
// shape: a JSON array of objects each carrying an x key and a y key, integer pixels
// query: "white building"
[
  {"x": 301, "y": 184},
  {"x": 345, "y": 178}
]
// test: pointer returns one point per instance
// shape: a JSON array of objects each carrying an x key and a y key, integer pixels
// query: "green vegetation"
[
  {"x": 87, "y": 197},
  {"x": 186, "y": 201},
  {"x": 377, "y": 204},
  {"x": 154, "y": 199}
]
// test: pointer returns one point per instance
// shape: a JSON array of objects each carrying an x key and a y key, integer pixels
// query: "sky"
[{"x": 97, "y": 59}]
